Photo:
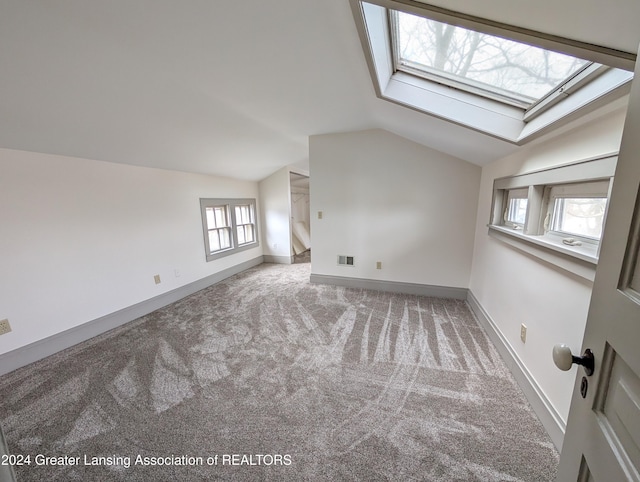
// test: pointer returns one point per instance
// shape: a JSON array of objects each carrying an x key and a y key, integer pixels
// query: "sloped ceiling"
[{"x": 229, "y": 88}]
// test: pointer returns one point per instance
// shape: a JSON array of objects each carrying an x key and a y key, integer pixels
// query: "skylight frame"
[
  {"x": 588, "y": 91},
  {"x": 524, "y": 102}
]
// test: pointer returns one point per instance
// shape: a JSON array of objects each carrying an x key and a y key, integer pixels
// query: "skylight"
[
  {"x": 506, "y": 81},
  {"x": 495, "y": 67}
]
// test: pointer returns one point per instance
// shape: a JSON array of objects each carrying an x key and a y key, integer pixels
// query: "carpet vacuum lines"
[{"x": 332, "y": 383}]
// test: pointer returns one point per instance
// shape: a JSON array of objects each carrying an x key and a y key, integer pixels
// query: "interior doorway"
[{"x": 300, "y": 217}]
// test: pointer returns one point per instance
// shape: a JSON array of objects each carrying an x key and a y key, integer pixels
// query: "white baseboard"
[
  {"x": 268, "y": 258},
  {"x": 542, "y": 406},
  {"x": 48, "y": 346},
  {"x": 392, "y": 286}
]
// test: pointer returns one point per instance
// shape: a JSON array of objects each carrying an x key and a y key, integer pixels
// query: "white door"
[{"x": 602, "y": 441}]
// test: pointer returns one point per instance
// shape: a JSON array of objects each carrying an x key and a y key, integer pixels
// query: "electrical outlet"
[
  {"x": 319, "y": 214},
  {"x": 5, "y": 327},
  {"x": 378, "y": 264},
  {"x": 523, "y": 333},
  {"x": 156, "y": 278}
]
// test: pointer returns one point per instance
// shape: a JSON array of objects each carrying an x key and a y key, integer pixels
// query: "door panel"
[
  {"x": 618, "y": 410},
  {"x": 630, "y": 279},
  {"x": 602, "y": 441}
]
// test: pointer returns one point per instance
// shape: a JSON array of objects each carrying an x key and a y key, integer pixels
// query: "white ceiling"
[{"x": 229, "y": 88}]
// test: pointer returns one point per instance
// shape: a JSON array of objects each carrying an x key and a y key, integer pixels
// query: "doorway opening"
[{"x": 300, "y": 218}]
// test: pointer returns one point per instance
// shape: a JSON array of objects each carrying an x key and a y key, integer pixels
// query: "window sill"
[
  {"x": 228, "y": 252},
  {"x": 579, "y": 260}
]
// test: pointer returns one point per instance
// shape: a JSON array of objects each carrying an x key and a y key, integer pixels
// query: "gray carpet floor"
[{"x": 265, "y": 376}]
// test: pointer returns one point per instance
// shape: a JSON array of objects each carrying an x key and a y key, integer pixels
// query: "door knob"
[{"x": 563, "y": 359}]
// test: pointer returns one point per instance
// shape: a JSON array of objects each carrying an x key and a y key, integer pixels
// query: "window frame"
[
  {"x": 586, "y": 72},
  {"x": 230, "y": 205},
  {"x": 592, "y": 88},
  {"x": 510, "y": 195},
  {"x": 243, "y": 225},
  {"x": 575, "y": 179},
  {"x": 553, "y": 193}
]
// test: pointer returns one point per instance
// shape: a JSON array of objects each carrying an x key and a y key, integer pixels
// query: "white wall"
[
  {"x": 275, "y": 213},
  {"x": 81, "y": 239},
  {"x": 516, "y": 288},
  {"x": 388, "y": 199}
]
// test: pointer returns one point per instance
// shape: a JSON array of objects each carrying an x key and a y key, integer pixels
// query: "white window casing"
[
  {"x": 565, "y": 212},
  {"x": 605, "y": 80},
  {"x": 593, "y": 195},
  {"x": 229, "y": 226}
]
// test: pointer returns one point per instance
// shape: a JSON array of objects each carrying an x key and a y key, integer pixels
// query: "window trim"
[
  {"x": 532, "y": 238},
  {"x": 583, "y": 74},
  {"x": 596, "y": 53},
  {"x": 230, "y": 203},
  {"x": 589, "y": 189},
  {"x": 482, "y": 114}
]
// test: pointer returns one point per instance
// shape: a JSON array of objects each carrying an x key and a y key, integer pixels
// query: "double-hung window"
[
  {"x": 229, "y": 226},
  {"x": 245, "y": 224},
  {"x": 218, "y": 227}
]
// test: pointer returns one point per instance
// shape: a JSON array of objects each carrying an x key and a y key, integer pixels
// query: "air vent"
[{"x": 345, "y": 260}]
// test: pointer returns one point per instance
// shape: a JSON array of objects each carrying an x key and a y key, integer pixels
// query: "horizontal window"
[
  {"x": 229, "y": 226},
  {"x": 579, "y": 216},
  {"x": 563, "y": 209},
  {"x": 576, "y": 211}
]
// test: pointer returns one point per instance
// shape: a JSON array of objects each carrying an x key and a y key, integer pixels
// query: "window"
[
  {"x": 229, "y": 226},
  {"x": 562, "y": 210},
  {"x": 576, "y": 211},
  {"x": 218, "y": 227},
  {"x": 515, "y": 213},
  {"x": 491, "y": 66},
  {"x": 505, "y": 81},
  {"x": 245, "y": 224}
]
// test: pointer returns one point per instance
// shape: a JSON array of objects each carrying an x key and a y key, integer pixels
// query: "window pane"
[
  {"x": 243, "y": 214},
  {"x": 579, "y": 216},
  {"x": 221, "y": 216},
  {"x": 517, "y": 210},
  {"x": 211, "y": 220},
  {"x": 245, "y": 234},
  {"x": 248, "y": 233},
  {"x": 225, "y": 238},
  {"x": 217, "y": 217},
  {"x": 512, "y": 69},
  {"x": 219, "y": 239},
  {"x": 214, "y": 241}
]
